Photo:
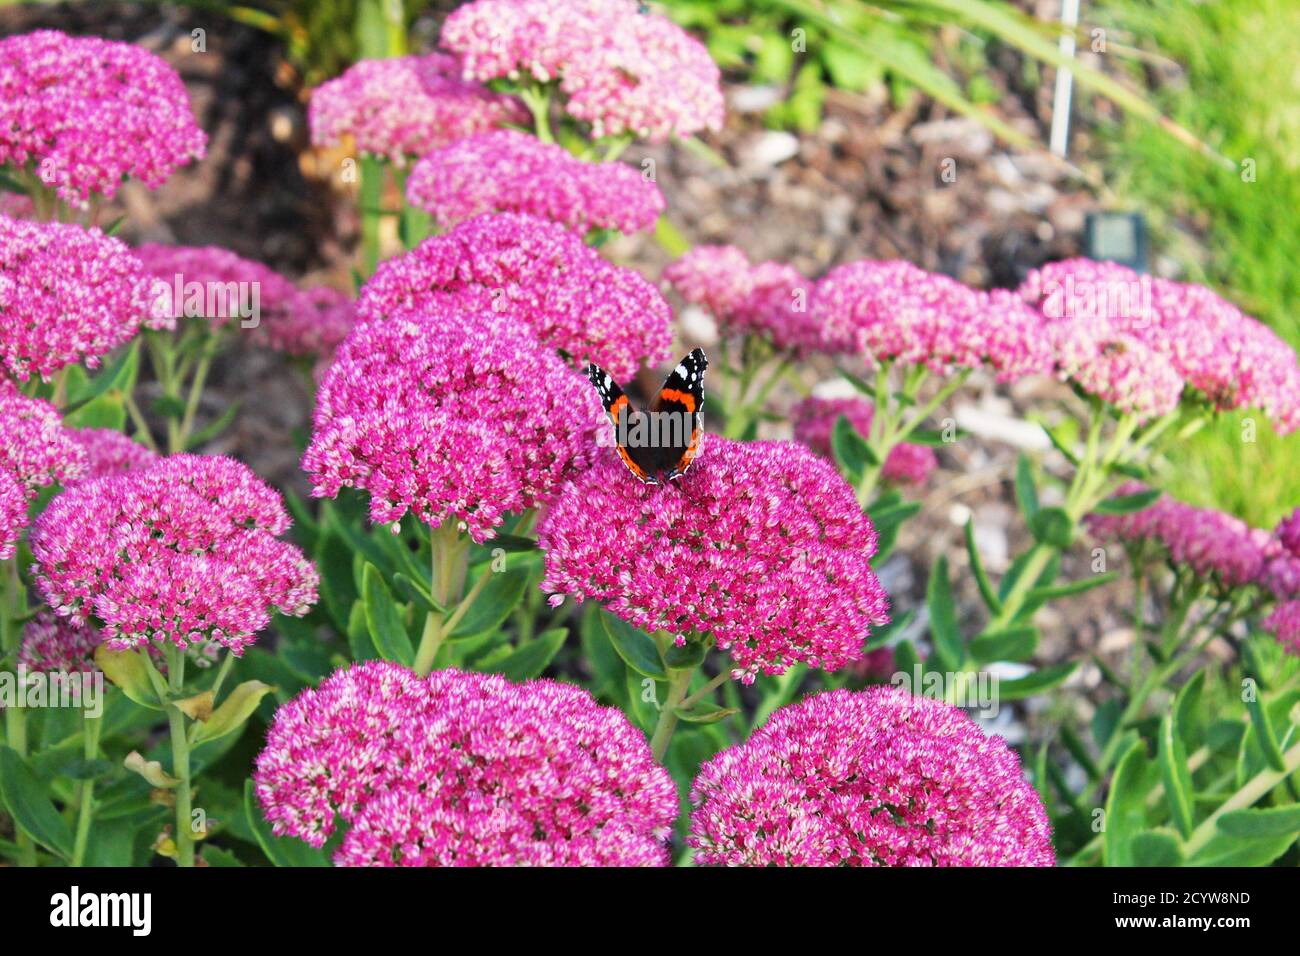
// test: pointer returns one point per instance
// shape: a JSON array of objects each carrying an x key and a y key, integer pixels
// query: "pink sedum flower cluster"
[
  {"x": 318, "y": 323},
  {"x": 35, "y": 451},
  {"x": 405, "y": 106},
  {"x": 761, "y": 544},
  {"x": 620, "y": 70},
  {"x": 451, "y": 416},
  {"x": 109, "y": 452},
  {"x": 893, "y": 311},
  {"x": 872, "y": 778},
  {"x": 770, "y": 299},
  {"x": 184, "y": 552},
  {"x": 67, "y": 295},
  {"x": 509, "y": 171},
  {"x": 215, "y": 284},
  {"x": 1284, "y": 623},
  {"x": 814, "y": 423},
  {"x": 53, "y": 645},
  {"x": 87, "y": 112},
  {"x": 537, "y": 273},
  {"x": 463, "y": 769},
  {"x": 1138, "y": 342}
]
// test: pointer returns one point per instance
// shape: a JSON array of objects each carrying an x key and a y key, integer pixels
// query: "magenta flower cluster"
[
  {"x": 537, "y": 273},
  {"x": 1138, "y": 342},
  {"x": 213, "y": 283},
  {"x": 463, "y": 769},
  {"x": 620, "y": 69},
  {"x": 425, "y": 414},
  {"x": 814, "y": 422},
  {"x": 318, "y": 322},
  {"x": 184, "y": 552},
  {"x": 67, "y": 295},
  {"x": 770, "y": 299},
  {"x": 873, "y": 778},
  {"x": 109, "y": 452},
  {"x": 87, "y": 112},
  {"x": 761, "y": 545},
  {"x": 36, "y": 451},
  {"x": 405, "y": 106},
  {"x": 509, "y": 171},
  {"x": 1284, "y": 624},
  {"x": 53, "y": 645}
]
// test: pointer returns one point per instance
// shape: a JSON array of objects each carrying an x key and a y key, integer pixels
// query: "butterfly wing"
[
  {"x": 682, "y": 395},
  {"x": 618, "y": 408}
]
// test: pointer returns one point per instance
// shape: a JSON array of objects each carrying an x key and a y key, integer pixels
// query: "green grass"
[{"x": 1242, "y": 93}]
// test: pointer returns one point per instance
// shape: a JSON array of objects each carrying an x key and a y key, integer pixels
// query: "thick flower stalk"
[
  {"x": 463, "y": 769},
  {"x": 509, "y": 171},
  {"x": 405, "y": 106},
  {"x": 760, "y": 546},
  {"x": 814, "y": 422},
  {"x": 183, "y": 553},
  {"x": 81, "y": 114},
  {"x": 870, "y": 778},
  {"x": 1140, "y": 342},
  {"x": 424, "y": 414},
  {"x": 538, "y": 274},
  {"x": 621, "y": 70},
  {"x": 67, "y": 295}
]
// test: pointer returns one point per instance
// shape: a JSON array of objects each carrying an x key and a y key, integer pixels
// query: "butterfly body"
[{"x": 659, "y": 443}]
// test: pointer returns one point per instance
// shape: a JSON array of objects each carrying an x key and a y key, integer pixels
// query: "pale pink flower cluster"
[
  {"x": 463, "y": 769},
  {"x": 814, "y": 422},
  {"x": 53, "y": 645},
  {"x": 184, "y": 552},
  {"x": 621, "y": 69},
  {"x": 893, "y": 311},
  {"x": 869, "y": 778},
  {"x": 451, "y": 416},
  {"x": 35, "y": 451},
  {"x": 1284, "y": 623},
  {"x": 317, "y": 324},
  {"x": 405, "y": 106},
  {"x": 1137, "y": 341},
  {"x": 86, "y": 113},
  {"x": 67, "y": 295},
  {"x": 15, "y": 205},
  {"x": 109, "y": 452},
  {"x": 770, "y": 299},
  {"x": 537, "y": 273},
  {"x": 508, "y": 171},
  {"x": 214, "y": 284},
  {"x": 761, "y": 545}
]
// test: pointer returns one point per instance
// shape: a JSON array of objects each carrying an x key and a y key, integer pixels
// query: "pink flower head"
[
  {"x": 89, "y": 112},
  {"x": 109, "y": 452},
  {"x": 214, "y": 284},
  {"x": 1137, "y": 342},
  {"x": 53, "y": 645},
  {"x": 620, "y": 69},
  {"x": 317, "y": 324},
  {"x": 183, "y": 552},
  {"x": 1288, "y": 533},
  {"x": 541, "y": 275},
  {"x": 1214, "y": 545},
  {"x": 814, "y": 423},
  {"x": 870, "y": 778},
  {"x": 762, "y": 545},
  {"x": 405, "y": 106},
  {"x": 463, "y": 769},
  {"x": 892, "y": 310},
  {"x": 67, "y": 295},
  {"x": 770, "y": 299},
  {"x": 1284, "y": 622},
  {"x": 15, "y": 205},
  {"x": 35, "y": 451},
  {"x": 449, "y": 416},
  {"x": 508, "y": 171}
]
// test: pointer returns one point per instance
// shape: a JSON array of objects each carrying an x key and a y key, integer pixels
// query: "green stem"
[
  {"x": 192, "y": 402},
  {"x": 180, "y": 759},
  {"x": 13, "y": 601},
  {"x": 450, "y": 563},
  {"x": 90, "y": 727},
  {"x": 678, "y": 683},
  {"x": 538, "y": 100},
  {"x": 141, "y": 426},
  {"x": 1256, "y": 787},
  {"x": 708, "y": 688}
]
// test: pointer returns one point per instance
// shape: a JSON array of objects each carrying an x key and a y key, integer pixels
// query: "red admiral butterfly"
[{"x": 658, "y": 445}]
